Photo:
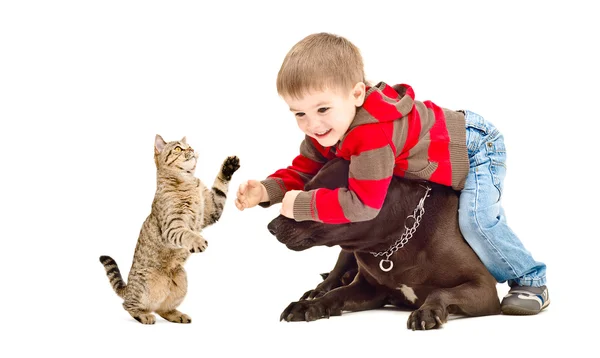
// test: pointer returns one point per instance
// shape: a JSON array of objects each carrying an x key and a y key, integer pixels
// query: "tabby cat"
[{"x": 182, "y": 206}]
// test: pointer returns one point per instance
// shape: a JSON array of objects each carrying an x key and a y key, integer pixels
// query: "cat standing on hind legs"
[{"x": 182, "y": 206}]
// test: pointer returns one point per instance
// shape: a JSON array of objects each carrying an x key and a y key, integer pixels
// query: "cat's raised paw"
[{"x": 230, "y": 165}]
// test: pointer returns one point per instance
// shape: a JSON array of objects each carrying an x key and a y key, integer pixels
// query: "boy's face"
[{"x": 326, "y": 115}]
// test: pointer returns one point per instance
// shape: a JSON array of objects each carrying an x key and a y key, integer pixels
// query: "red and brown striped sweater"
[{"x": 391, "y": 134}]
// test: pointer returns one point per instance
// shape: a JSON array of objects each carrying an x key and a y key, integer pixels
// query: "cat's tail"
[{"x": 114, "y": 275}]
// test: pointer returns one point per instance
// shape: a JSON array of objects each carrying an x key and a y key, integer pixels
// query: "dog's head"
[{"x": 352, "y": 236}]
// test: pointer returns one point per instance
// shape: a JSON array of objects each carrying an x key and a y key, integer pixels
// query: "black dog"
[{"x": 433, "y": 269}]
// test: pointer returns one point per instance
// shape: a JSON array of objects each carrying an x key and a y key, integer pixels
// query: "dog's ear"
[{"x": 333, "y": 175}]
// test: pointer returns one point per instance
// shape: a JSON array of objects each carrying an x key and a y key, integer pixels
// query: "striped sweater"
[{"x": 391, "y": 134}]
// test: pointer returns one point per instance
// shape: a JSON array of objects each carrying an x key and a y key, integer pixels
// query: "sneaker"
[{"x": 525, "y": 300}]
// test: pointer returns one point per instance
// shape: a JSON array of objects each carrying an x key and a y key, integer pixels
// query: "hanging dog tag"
[{"x": 383, "y": 267}]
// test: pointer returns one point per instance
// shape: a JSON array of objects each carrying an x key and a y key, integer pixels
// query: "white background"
[{"x": 85, "y": 86}]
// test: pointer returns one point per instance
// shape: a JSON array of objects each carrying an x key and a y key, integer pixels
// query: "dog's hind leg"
[
  {"x": 472, "y": 298},
  {"x": 342, "y": 274},
  {"x": 357, "y": 296}
]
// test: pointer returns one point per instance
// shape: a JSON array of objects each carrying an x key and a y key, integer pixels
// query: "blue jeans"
[{"x": 481, "y": 217}]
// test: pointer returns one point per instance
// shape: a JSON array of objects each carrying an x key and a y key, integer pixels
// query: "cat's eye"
[{"x": 177, "y": 149}]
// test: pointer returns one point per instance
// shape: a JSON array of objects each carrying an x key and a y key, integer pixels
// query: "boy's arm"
[
  {"x": 372, "y": 162},
  {"x": 310, "y": 160}
]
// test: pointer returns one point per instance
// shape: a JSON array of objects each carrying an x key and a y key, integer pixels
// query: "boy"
[{"x": 383, "y": 131}]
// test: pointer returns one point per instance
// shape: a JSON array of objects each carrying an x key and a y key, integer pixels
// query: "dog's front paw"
[
  {"x": 313, "y": 294},
  {"x": 329, "y": 283},
  {"x": 308, "y": 311},
  {"x": 427, "y": 318},
  {"x": 230, "y": 165}
]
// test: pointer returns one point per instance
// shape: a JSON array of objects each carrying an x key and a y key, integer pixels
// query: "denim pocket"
[{"x": 474, "y": 137}]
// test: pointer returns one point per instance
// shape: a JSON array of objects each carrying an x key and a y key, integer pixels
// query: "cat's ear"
[
  {"x": 159, "y": 144},
  {"x": 183, "y": 140}
]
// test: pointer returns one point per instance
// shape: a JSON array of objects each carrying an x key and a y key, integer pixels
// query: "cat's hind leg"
[
  {"x": 139, "y": 311},
  {"x": 175, "y": 316},
  {"x": 144, "y": 317},
  {"x": 145, "y": 290},
  {"x": 177, "y": 292}
]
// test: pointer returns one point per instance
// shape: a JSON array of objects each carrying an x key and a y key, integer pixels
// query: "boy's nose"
[{"x": 313, "y": 125}]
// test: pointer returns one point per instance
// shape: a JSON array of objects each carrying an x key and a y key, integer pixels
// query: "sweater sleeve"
[
  {"x": 372, "y": 161},
  {"x": 294, "y": 177}
]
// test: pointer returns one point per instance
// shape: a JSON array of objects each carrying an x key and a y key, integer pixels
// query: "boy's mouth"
[{"x": 322, "y": 134}]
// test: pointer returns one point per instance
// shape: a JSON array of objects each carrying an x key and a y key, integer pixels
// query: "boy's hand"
[
  {"x": 287, "y": 204},
  {"x": 250, "y": 194}
]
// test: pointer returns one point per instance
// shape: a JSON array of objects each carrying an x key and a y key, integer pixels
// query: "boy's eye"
[
  {"x": 300, "y": 114},
  {"x": 323, "y": 109},
  {"x": 177, "y": 149}
]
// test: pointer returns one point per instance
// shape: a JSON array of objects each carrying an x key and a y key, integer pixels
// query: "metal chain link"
[{"x": 408, "y": 233}]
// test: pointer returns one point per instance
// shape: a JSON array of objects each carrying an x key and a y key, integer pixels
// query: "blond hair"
[{"x": 320, "y": 61}]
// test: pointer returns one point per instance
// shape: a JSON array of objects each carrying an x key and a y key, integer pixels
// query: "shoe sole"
[{"x": 520, "y": 311}]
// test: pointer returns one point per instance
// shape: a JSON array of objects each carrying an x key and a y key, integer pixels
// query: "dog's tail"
[{"x": 114, "y": 275}]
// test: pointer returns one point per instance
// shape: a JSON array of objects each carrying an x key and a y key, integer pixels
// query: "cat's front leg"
[
  {"x": 230, "y": 166},
  {"x": 196, "y": 243},
  {"x": 214, "y": 199},
  {"x": 185, "y": 238}
]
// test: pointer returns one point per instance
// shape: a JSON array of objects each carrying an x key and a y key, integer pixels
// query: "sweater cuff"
[
  {"x": 275, "y": 191},
  {"x": 303, "y": 207}
]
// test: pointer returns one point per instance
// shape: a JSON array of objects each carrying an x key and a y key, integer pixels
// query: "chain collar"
[{"x": 408, "y": 233}]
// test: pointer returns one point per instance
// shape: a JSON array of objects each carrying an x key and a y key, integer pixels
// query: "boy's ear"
[
  {"x": 358, "y": 94},
  {"x": 159, "y": 144}
]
